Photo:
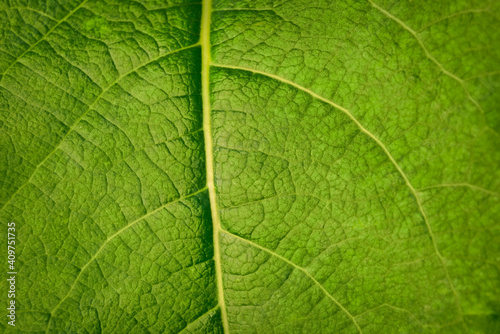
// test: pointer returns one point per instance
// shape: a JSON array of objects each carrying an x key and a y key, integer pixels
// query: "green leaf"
[{"x": 251, "y": 166}]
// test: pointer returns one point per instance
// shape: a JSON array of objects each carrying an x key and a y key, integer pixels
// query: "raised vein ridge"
[{"x": 209, "y": 156}]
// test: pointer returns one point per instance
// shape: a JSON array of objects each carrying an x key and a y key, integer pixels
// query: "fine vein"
[
  {"x": 447, "y": 17},
  {"x": 31, "y": 10},
  {"x": 209, "y": 156},
  {"x": 212, "y": 310},
  {"x": 463, "y": 184}
]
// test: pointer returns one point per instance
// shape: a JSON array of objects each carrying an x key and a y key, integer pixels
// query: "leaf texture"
[{"x": 252, "y": 166}]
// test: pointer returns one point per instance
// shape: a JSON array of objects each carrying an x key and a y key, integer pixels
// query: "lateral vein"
[
  {"x": 386, "y": 151},
  {"x": 311, "y": 277},
  {"x": 111, "y": 237},
  {"x": 199, "y": 318},
  {"x": 75, "y": 123},
  {"x": 43, "y": 37},
  {"x": 463, "y": 184},
  {"x": 428, "y": 54}
]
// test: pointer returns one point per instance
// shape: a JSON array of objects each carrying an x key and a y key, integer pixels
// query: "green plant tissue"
[{"x": 250, "y": 166}]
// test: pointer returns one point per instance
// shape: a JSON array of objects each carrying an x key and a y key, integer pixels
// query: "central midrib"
[{"x": 209, "y": 157}]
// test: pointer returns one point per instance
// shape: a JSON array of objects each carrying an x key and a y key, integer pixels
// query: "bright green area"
[{"x": 355, "y": 160}]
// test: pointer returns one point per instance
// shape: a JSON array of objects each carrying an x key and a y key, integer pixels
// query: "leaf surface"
[{"x": 252, "y": 166}]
